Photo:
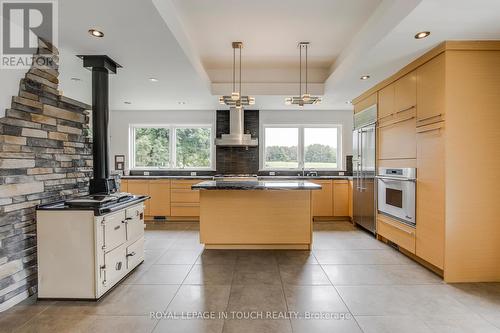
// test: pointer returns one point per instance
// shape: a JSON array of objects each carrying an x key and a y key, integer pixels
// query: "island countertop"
[{"x": 257, "y": 185}]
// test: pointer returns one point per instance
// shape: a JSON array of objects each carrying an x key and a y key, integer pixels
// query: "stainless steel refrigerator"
[{"x": 363, "y": 163}]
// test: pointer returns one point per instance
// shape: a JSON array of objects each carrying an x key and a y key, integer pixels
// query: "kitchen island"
[{"x": 256, "y": 214}]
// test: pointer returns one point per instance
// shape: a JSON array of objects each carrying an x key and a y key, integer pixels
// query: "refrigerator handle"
[
  {"x": 361, "y": 160},
  {"x": 358, "y": 183}
]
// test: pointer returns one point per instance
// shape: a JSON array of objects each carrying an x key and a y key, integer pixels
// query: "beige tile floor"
[{"x": 364, "y": 284}]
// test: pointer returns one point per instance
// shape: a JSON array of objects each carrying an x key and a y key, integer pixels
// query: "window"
[
  {"x": 151, "y": 147},
  {"x": 171, "y": 147},
  {"x": 281, "y": 148},
  {"x": 302, "y": 146},
  {"x": 192, "y": 146},
  {"x": 320, "y": 148}
]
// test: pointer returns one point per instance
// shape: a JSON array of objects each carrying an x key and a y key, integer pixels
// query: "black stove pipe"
[
  {"x": 101, "y": 66},
  {"x": 100, "y": 120}
]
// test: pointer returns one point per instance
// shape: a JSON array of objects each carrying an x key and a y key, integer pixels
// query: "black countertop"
[
  {"x": 291, "y": 185},
  {"x": 105, "y": 209},
  {"x": 263, "y": 178}
]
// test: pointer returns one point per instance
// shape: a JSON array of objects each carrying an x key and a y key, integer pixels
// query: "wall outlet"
[
  {"x": 146, "y": 173},
  {"x": 341, "y": 173},
  {"x": 272, "y": 173},
  {"x": 193, "y": 173}
]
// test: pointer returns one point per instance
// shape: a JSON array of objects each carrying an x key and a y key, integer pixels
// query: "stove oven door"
[{"x": 134, "y": 218}]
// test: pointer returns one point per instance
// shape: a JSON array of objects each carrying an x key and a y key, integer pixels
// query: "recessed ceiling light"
[
  {"x": 348, "y": 102},
  {"x": 153, "y": 79},
  {"x": 75, "y": 79},
  {"x": 422, "y": 34},
  {"x": 181, "y": 103},
  {"x": 96, "y": 33},
  {"x": 127, "y": 103},
  {"x": 365, "y": 77}
]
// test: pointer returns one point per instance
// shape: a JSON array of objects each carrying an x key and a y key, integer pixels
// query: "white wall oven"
[{"x": 397, "y": 193}]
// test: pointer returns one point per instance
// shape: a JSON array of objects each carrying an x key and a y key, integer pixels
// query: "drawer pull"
[
  {"x": 117, "y": 227},
  {"x": 131, "y": 254},
  {"x": 118, "y": 266}
]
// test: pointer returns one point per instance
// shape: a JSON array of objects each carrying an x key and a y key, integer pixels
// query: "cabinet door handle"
[
  {"x": 430, "y": 130},
  {"x": 407, "y": 109},
  {"x": 389, "y": 115},
  {"x": 430, "y": 117},
  {"x": 397, "y": 122},
  {"x": 131, "y": 254}
]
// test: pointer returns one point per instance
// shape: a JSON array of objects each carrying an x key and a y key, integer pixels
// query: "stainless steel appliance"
[
  {"x": 364, "y": 168},
  {"x": 396, "y": 193}
]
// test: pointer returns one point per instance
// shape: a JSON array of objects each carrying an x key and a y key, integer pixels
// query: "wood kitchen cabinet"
[
  {"x": 431, "y": 91},
  {"x": 455, "y": 121},
  {"x": 396, "y": 115},
  {"x": 351, "y": 193},
  {"x": 405, "y": 93},
  {"x": 140, "y": 186},
  {"x": 159, "y": 191},
  {"x": 431, "y": 194},
  {"x": 385, "y": 103},
  {"x": 397, "y": 98},
  {"x": 365, "y": 103},
  {"x": 397, "y": 140},
  {"x": 340, "y": 198},
  {"x": 322, "y": 199},
  {"x": 396, "y": 232},
  {"x": 185, "y": 202}
]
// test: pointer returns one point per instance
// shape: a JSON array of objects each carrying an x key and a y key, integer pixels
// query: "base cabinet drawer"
[
  {"x": 115, "y": 232},
  {"x": 185, "y": 209},
  {"x": 396, "y": 232},
  {"x": 184, "y": 196},
  {"x": 135, "y": 253},
  {"x": 115, "y": 266}
]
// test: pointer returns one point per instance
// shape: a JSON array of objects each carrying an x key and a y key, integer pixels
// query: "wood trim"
[
  {"x": 444, "y": 46},
  {"x": 366, "y": 102}
]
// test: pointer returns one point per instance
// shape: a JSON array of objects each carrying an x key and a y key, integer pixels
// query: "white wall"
[
  {"x": 121, "y": 120},
  {"x": 340, "y": 117},
  {"x": 9, "y": 86}
]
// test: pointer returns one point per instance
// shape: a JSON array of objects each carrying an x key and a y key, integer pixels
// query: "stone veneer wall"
[{"x": 44, "y": 157}]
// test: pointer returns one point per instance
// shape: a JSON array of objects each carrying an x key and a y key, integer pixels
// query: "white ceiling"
[
  {"x": 271, "y": 29},
  {"x": 186, "y": 45}
]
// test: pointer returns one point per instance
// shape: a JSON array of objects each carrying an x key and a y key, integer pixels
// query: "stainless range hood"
[{"x": 236, "y": 136}]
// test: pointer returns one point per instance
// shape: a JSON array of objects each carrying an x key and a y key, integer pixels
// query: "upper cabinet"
[
  {"x": 405, "y": 92},
  {"x": 397, "y": 97},
  {"x": 396, "y": 118},
  {"x": 365, "y": 103},
  {"x": 386, "y": 102},
  {"x": 431, "y": 91}
]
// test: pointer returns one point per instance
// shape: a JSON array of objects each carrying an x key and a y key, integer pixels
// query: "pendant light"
[
  {"x": 303, "y": 98},
  {"x": 236, "y": 99}
]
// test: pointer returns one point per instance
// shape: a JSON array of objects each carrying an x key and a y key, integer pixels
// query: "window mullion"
[{"x": 173, "y": 154}]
